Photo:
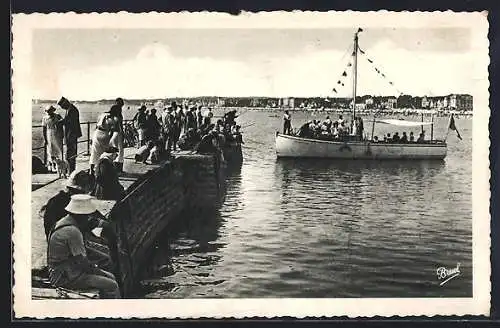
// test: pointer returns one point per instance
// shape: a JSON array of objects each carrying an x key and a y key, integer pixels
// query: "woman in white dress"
[{"x": 53, "y": 137}]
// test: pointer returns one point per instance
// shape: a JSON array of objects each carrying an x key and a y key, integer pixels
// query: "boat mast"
[{"x": 355, "y": 74}]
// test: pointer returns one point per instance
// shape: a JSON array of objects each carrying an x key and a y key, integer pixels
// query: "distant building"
[
  {"x": 460, "y": 102},
  {"x": 360, "y": 106},
  {"x": 391, "y": 102}
]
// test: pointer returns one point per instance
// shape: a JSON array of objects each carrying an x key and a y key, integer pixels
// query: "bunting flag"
[
  {"x": 349, "y": 65},
  {"x": 371, "y": 61},
  {"x": 344, "y": 74},
  {"x": 334, "y": 90},
  {"x": 383, "y": 74},
  {"x": 338, "y": 82},
  {"x": 342, "y": 84},
  {"x": 360, "y": 30},
  {"x": 391, "y": 83},
  {"x": 452, "y": 126}
]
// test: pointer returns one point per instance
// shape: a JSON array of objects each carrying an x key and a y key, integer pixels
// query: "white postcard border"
[{"x": 24, "y": 306}]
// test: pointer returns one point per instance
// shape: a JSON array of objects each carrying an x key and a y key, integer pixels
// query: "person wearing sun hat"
[
  {"x": 52, "y": 136},
  {"x": 79, "y": 182},
  {"x": 69, "y": 266}
]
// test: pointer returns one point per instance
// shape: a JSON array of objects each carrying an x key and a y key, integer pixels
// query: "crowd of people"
[
  {"x": 70, "y": 217},
  {"x": 341, "y": 130},
  {"x": 327, "y": 130},
  {"x": 182, "y": 127}
]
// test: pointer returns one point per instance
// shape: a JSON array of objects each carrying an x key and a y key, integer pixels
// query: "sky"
[{"x": 92, "y": 64}]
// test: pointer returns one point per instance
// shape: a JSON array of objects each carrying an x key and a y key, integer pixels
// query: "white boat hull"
[{"x": 291, "y": 146}]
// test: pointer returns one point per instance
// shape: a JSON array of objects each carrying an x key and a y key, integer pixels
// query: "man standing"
[
  {"x": 168, "y": 122},
  {"x": 67, "y": 259},
  {"x": 72, "y": 131},
  {"x": 287, "y": 123}
]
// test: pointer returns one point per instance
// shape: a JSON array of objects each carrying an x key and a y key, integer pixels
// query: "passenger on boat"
[
  {"x": 388, "y": 138},
  {"x": 69, "y": 265},
  {"x": 360, "y": 127},
  {"x": 404, "y": 138},
  {"x": 340, "y": 120},
  {"x": 396, "y": 138},
  {"x": 305, "y": 130},
  {"x": 375, "y": 139},
  {"x": 328, "y": 123},
  {"x": 287, "y": 123},
  {"x": 354, "y": 128},
  {"x": 421, "y": 138},
  {"x": 412, "y": 137},
  {"x": 335, "y": 130}
]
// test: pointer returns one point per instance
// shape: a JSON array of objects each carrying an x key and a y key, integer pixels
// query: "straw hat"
[{"x": 81, "y": 204}]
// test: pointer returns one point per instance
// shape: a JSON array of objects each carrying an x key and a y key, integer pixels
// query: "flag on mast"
[{"x": 452, "y": 126}]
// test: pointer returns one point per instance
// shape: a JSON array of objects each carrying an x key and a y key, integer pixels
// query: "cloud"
[{"x": 154, "y": 72}]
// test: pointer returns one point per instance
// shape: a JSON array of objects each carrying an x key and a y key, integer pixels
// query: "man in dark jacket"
[{"x": 72, "y": 131}]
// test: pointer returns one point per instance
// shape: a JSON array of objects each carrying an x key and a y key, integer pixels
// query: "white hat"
[{"x": 81, "y": 204}]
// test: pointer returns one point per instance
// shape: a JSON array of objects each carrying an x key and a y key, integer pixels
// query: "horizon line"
[{"x": 243, "y": 97}]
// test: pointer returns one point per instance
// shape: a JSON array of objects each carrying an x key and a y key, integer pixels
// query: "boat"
[{"x": 361, "y": 147}]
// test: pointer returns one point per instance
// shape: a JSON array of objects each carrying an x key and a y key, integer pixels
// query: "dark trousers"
[
  {"x": 287, "y": 127},
  {"x": 71, "y": 148}
]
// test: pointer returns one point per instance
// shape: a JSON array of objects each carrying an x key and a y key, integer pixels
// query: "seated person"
[
  {"x": 388, "y": 138},
  {"x": 67, "y": 260},
  {"x": 305, "y": 130},
  {"x": 79, "y": 182},
  {"x": 107, "y": 185},
  {"x": 404, "y": 138},
  {"x": 375, "y": 139},
  {"x": 396, "y": 138},
  {"x": 421, "y": 138},
  {"x": 208, "y": 144},
  {"x": 412, "y": 137}
]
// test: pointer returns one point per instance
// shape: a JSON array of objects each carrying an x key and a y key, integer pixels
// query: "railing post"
[
  {"x": 88, "y": 138},
  {"x": 45, "y": 154}
]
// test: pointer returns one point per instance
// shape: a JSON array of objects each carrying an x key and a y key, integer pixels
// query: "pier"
[{"x": 156, "y": 195}]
